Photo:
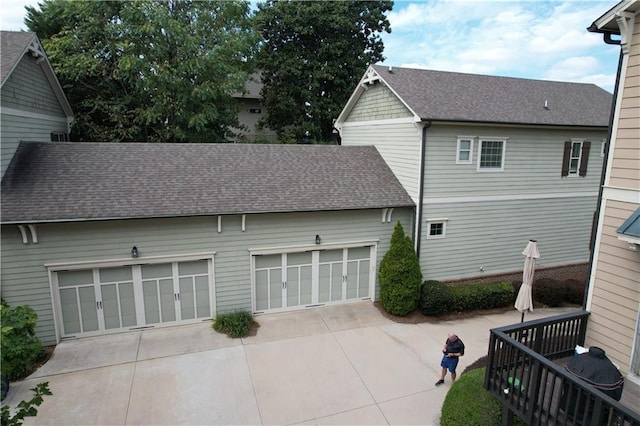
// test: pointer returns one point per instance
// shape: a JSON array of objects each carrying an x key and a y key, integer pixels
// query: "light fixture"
[
  {"x": 134, "y": 251},
  {"x": 318, "y": 240}
]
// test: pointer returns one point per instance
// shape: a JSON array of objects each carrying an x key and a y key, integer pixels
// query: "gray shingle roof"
[
  {"x": 12, "y": 46},
  {"x": 449, "y": 96},
  {"x": 99, "y": 181}
]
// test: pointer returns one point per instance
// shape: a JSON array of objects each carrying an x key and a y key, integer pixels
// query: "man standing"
[{"x": 452, "y": 350}]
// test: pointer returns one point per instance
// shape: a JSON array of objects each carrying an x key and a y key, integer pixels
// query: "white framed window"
[
  {"x": 576, "y": 157},
  {"x": 464, "y": 150},
  {"x": 491, "y": 153},
  {"x": 436, "y": 228}
]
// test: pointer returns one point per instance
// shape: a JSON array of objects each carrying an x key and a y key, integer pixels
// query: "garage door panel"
[{"x": 125, "y": 297}]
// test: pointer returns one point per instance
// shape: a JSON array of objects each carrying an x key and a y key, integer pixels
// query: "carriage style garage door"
[
  {"x": 100, "y": 300},
  {"x": 310, "y": 278}
]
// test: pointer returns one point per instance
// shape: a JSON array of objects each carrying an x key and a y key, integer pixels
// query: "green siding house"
[
  {"x": 108, "y": 237},
  {"x": 490, "y": 162}
]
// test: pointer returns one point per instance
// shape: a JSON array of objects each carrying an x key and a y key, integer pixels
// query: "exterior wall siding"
[
  {"x": 494, "y": 214},
  {"x": 625, "y": 164},
  {"x": 378, "y": 103},
  {"x": 24, "y": 278},
  {"x": 250, "y": 120},
  {"x": 615, "y": 294},
  {"x": 28, "y": 88},
  {"x": 533, "y": 162},
  {"x": 487, "y": 238},
  {"x": 20, "y": 128},
  {"x": 399, "y": 145}
]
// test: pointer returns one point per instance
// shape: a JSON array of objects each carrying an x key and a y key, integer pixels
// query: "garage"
[
  {"x": 107, "y": 299},
  {"x": 295, "y": 279}
]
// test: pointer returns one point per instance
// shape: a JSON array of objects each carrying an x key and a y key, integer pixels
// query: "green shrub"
[
  {"x": 19, "y": 344},
  {"x": 400, "y": 276},
  {"x": 234, "y": 324},
  {"x": 548, "y": 291},
  {"x": 435, "y": 298},
  {"x": 471, "y": 297},
  {"x": 25, "y": 408},
  {"x": 468, "y": 403},
  {"x": 574, "y": 291}
]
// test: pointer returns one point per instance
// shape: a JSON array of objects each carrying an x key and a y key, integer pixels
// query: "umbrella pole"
[{"x": 522, "y": 317}]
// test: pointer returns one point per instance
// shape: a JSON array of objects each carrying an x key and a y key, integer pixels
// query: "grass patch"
[{"x": 234, "y": 324}]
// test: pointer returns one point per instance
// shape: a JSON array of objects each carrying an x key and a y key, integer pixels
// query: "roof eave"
[
  {"x": 513, "y": 123},
  {"x": 607, "y": 23}
]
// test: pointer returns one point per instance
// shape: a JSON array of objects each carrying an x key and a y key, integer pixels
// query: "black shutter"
[
  {"x": 565, "y": 159},
  {"x": 584, "y": 158}
]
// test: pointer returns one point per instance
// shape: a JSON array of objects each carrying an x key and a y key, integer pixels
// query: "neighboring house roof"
[
  {"x": 630, "y": 229},
  {"x": 98, "y": 181},
  {"x": 458, "y": 97},
  {"x": 14, "y": 46}
]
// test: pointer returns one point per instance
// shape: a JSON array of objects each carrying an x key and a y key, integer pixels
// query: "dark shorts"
[{"x": 449, "y": 363}]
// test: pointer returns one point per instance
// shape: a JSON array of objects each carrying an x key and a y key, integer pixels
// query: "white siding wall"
[
  {"x": 377, "y": 103},
  {"x": 398, "y": 144},
  {"x": 24, "y": 278}
]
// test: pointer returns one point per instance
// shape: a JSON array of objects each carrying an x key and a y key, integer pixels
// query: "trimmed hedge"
[
  {"x": 472, "y": 297},
  {"x": 574, "y": 291},
  {"x": 435, "y": 298},
  {"x": 549, "y": 291}
]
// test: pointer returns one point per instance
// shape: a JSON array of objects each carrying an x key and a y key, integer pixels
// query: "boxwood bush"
[
  {"x": 471, "y": 297},
  {"x": 549, "y": 291},
  {"x": 574, "y": 291},
  {"x": 435, "y": 298},
  {"x": 468, "y": 403}
]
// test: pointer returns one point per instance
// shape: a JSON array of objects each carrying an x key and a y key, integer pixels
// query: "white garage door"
[
  {"x": 311, "y": 278},
  {"x": 99, "y": 300}
]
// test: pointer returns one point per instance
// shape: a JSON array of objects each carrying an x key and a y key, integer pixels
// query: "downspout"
[
  {"x": 418, "y": 224},
  {"x": 596, "y": 220}
]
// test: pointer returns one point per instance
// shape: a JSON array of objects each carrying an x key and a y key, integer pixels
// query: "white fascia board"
[{"x": 612, "y": 14}]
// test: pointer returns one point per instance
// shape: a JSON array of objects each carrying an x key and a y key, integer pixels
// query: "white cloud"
[
  {"x": 516, "y": 38},
  {"x": 12, "y": 14}
]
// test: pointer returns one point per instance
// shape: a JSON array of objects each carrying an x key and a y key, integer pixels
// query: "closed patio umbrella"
[{"x": 524, "y": 300}]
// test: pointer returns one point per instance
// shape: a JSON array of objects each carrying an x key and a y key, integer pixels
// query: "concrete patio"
[{"x": 341, "y": 364}]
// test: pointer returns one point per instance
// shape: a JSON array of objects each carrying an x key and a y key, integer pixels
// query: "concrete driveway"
[{"x": 343, "y": 364}]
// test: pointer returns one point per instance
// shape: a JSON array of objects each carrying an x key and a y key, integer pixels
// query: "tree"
[
  {"x": 400, "y": 277},
  {"x": 155, "y": 71},
  {"x": 312, "y": 56}
]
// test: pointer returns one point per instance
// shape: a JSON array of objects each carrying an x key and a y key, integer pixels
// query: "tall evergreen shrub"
[{"x": 400, "y": 276}]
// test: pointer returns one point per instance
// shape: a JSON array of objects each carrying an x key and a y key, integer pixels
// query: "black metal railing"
[{"x": 522, "y": 374}]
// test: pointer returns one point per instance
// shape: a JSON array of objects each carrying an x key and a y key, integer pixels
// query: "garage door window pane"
[
  {"x": 109, "y": 275},
  {"x": 187, "y": 304},
  {"x": 305, "y": 285},
  {"x": 70, "y": 312},
  {"x": 69, "y": 278},
  {"x": 197, "y": 267},
  {"x": 262, "y": 286},
  {"x": 127, "y": 305},
  {"x": 151, "y": 302},
  {"x": 363, "y": 278},
  {"x": 88, "y": 309},
  {"x": 161, "y": 270},
  {"x": 110, "y": 306},
  {"x": 275, "y": 286},
  {"x": 293, "y": 286},
  {"x": 203, "y": 308},
  {"x": 167, "y": 301}
]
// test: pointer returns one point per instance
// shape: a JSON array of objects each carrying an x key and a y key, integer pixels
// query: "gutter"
[
  {"x": 418, "y": 223},
  {"x": 596, "y": 218}
]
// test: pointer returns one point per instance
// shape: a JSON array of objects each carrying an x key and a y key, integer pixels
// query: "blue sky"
[{"x": 517, "y": 38}]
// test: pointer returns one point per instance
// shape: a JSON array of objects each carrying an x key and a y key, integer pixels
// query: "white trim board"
[
  {"x": 507, "y": 197},
  {"x": 403, "y": 120},
  {"x": 90, "y": 264}
]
